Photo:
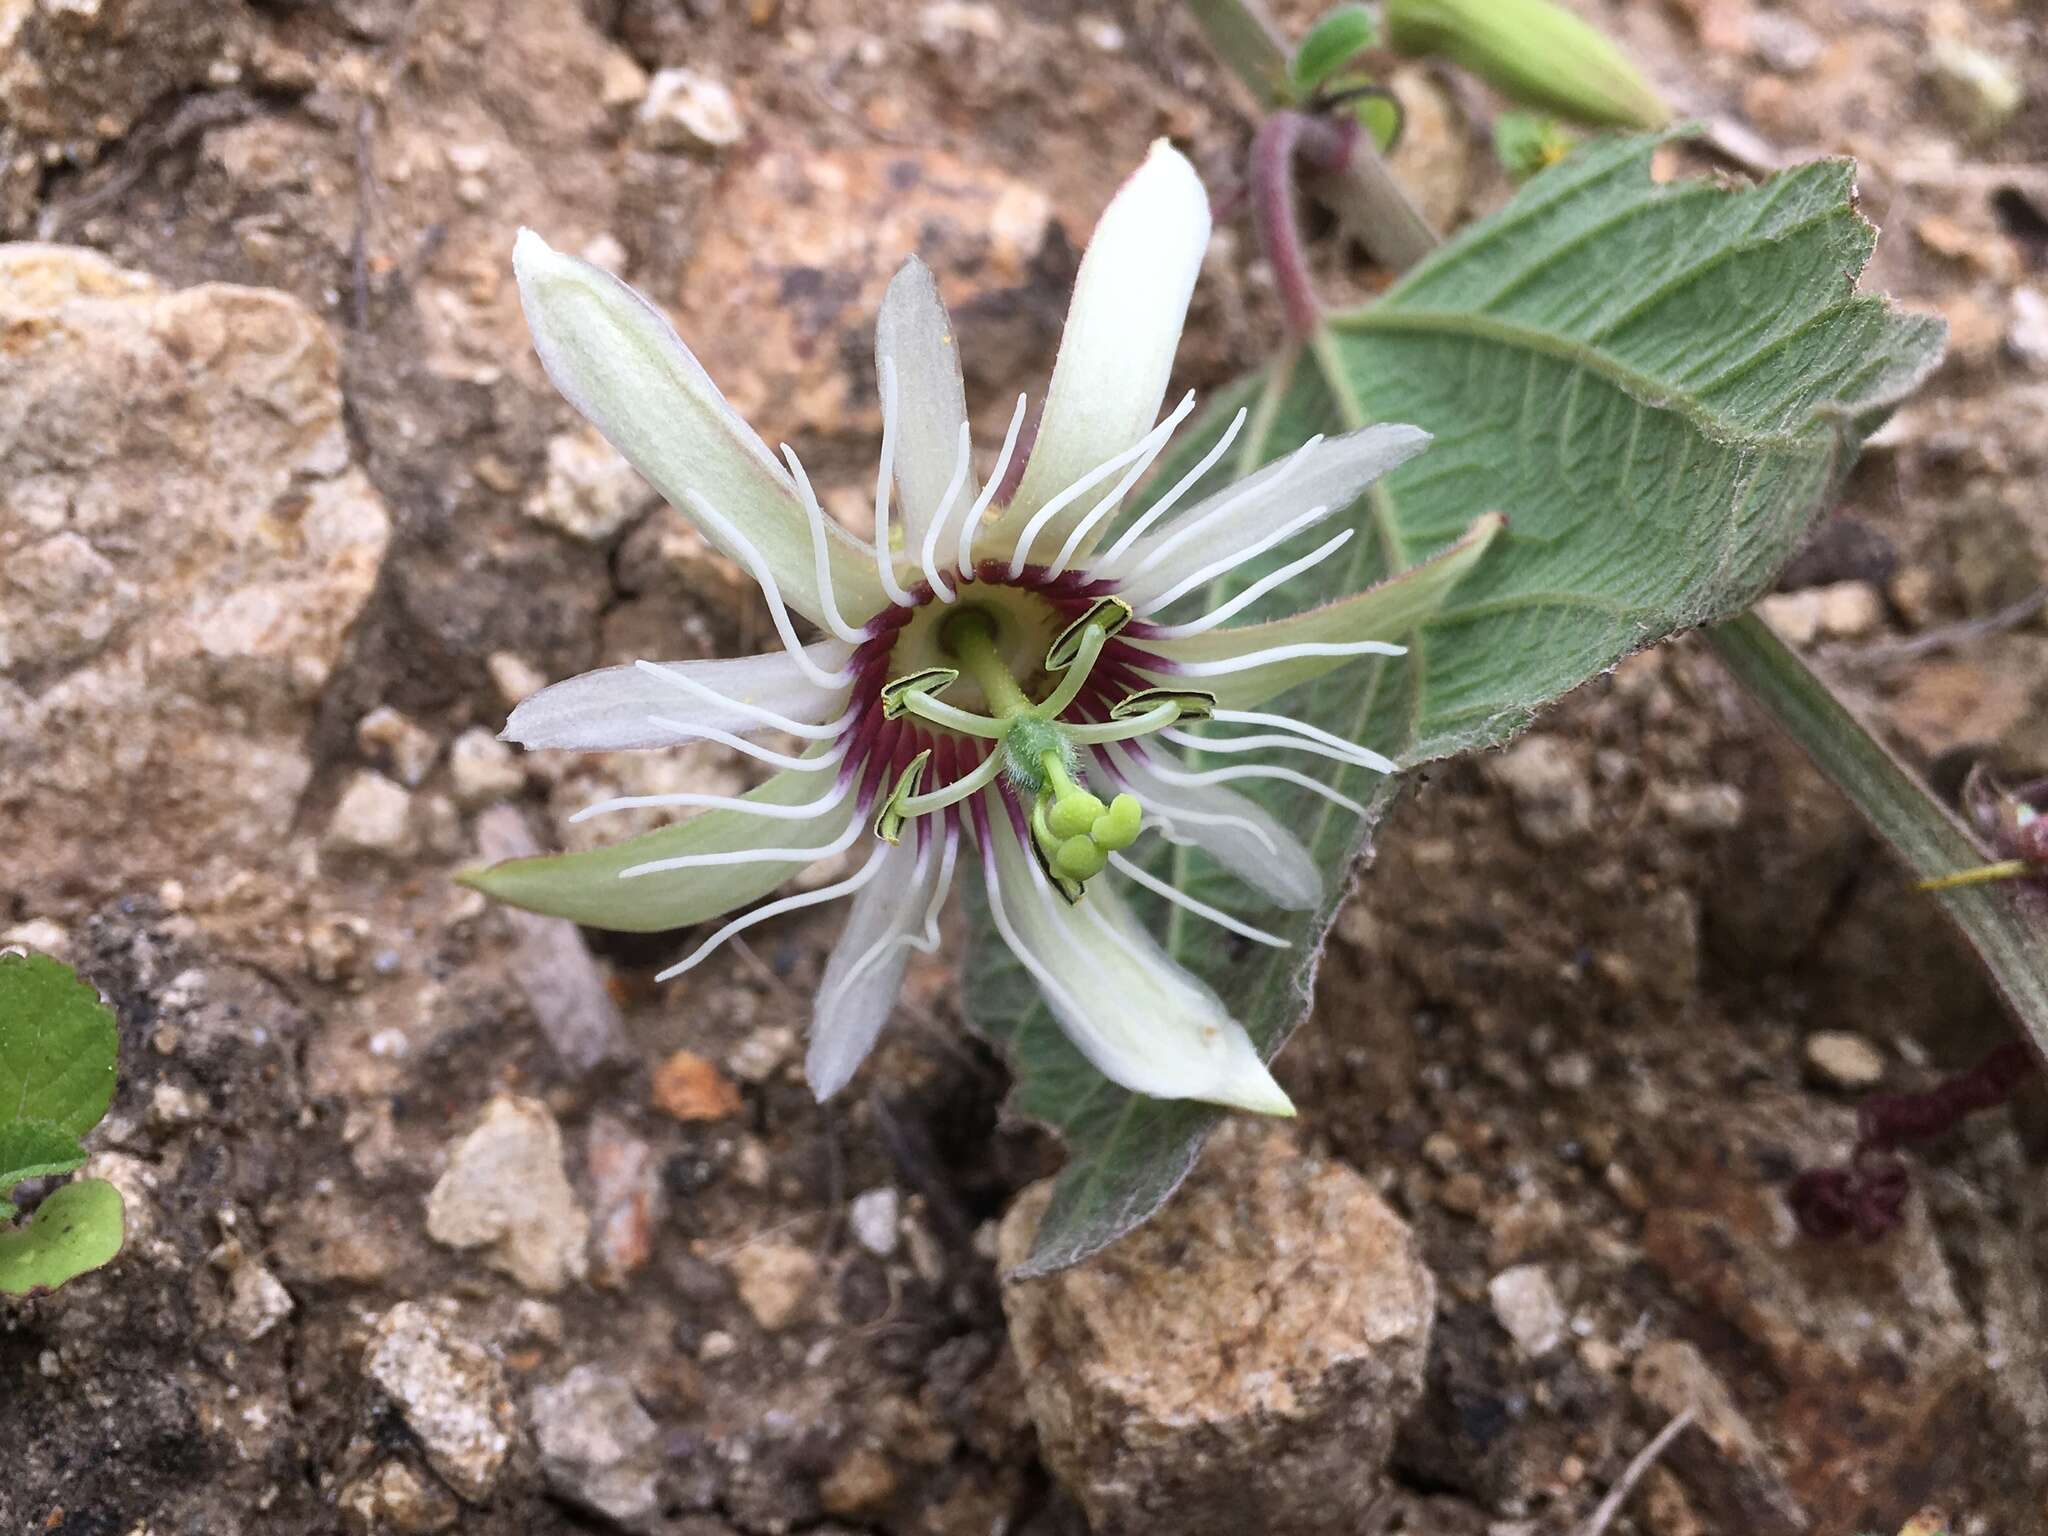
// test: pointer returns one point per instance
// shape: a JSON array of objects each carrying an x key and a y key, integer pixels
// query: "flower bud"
[{"x": 1533, "y": 51}]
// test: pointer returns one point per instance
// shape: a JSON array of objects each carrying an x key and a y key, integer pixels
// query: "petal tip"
[{"x": 1252, "y": 1088}]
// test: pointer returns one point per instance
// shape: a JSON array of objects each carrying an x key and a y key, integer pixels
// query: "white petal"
[
  {"x": 617, "y": 359},
  {"x": 915, "y": 334},
  {"x": 865, "y": 972},
  {"x": 1142, "y": 1020},
  {"x": 1332, "y": 473},
  {"x": 1236, "y": 832},
  {"x": 1123, "y": 327},
  {"x": 1306, "y": 645},
  {"x": 607, "y": 710}
]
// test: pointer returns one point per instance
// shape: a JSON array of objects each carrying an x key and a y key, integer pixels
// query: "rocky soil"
[{"x": 448, "y": 1220}]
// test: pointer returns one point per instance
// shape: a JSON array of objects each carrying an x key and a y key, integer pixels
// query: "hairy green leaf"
[
  {"x": 78, "y": 1228},
  {"x": 57, "y": 1046},
  {"x": 1659, "y": 385},
  {"x": 34, "y": 1149}
]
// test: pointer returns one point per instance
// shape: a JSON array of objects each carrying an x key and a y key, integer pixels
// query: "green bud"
[
  {"x": 1333, "y": 42},
  {"x": 1534, "y": 52}
]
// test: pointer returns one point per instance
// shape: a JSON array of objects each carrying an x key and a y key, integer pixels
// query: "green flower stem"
[{"x": 971, "y": 638}]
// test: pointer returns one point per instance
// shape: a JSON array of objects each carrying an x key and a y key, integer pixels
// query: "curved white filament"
[
  {"x": 1237, "y": 557},
  {"x": 839, "y": 844},
  {"x": 966, "y": 722},
  {"x": 767, "y": 755},
  {"x": 929, "y": 940},
  {"x": 808, "y": 810},
  {"x": 1047, "y": 982},
  {"x": 926, "y": 556},
  {"x": 820, "y": 551},
  {"x": 1298, "y": 727},
  {"x": 1144, "y": 447},
  {"x": 965, "y": 563},
  {"x": 1200, "y": 908},
  {"x": 1250, "y": 594},
  {"x": 690, "y": 685},
  {"x": 1164, "y": 815},
  {"x": 852, "y": 883},
  {"x": 1166, "y": 503},
  {"x": 1114, "y": 499},
  {"x": 1122, "y": 730},
  {"x": 1182, "y": 533},
  {"x": 885, "y": 561},
  {"x": 1273, "y": 653},
  {"x": 979, "y": 777},
  {"x": 1358, "y": 757},
  {"x": 1160, "y": 771},
  {"x": 765, "y": 578}
]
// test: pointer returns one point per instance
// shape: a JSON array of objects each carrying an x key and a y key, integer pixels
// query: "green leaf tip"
[
  {"x": 1534, "y": 52},
  {"x": 1330, "y": 44}
]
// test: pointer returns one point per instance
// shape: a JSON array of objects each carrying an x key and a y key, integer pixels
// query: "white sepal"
[
  {"x": 914, "y": 333},
  {"x": 1237, "y": 832},
  {"x": 609, "y": 709}
]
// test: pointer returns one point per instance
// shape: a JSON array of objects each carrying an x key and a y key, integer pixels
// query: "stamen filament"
[
  {"x": 968, "y": 529},
  {"x": 690, "y": 685},
  {"x": 765, "y": 579},
  {"x": 845, "y": 840},
  {"x": 940, "y": 590},
  {"x": 1166, "y": 503},
  {"x": 949, "y": 717},
  {"x": 885, "y": 560},
  {"x": 1252, "y": 593},
  {"x": 1200, "y": 908},
  {"x": 1182, "y": 532},
  {"x": 1122, "y": 730},
  {"x": 820, "y": 550},
  {"x": 1075, "y": 678},
  {"x": 1114, "y": 499},
  {"x": 783, "y": 760},
  {"x": 852, "y": 883},
  {"x": 974, "y": 780},
  {"x": 1149, "y": 443}
]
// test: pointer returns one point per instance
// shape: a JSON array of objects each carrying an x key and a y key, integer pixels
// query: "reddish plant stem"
[{"x": 1285, "y": 139}]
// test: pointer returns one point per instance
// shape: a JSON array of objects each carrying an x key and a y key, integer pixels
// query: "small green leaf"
[
  {"x": 76, "y": 1229},
  {"x": 34, "y": 1149},
  {"x": 1381, "y": 116},
  {"x": 58, "y": 1046},
  {"x": 1528, "y": 142},
  {"x": 1333, "y": 42},
  {"x": 1659, "y": 385}
]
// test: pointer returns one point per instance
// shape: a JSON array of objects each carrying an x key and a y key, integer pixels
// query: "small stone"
[
  {"x": 1463, "y": 1194},
  {"x": 336, "y": 946},
  {"x": 873, "y": 1217},
  {"x": 2026, "y": 335},
  {"x": 861, "y": 1483},
  {"x": 1526, "y": 1305},
  {"x": 1548, "y": 789},
  {"x": 590, "y": 492},
  {"x": 1839, "y": 1059},
  {"x": 690, "y": 1087},
  {"x": 599, "y": 1449},
  {"x": 763, "y": 1053},
  {"x": 374, "y": 816},
  {"x": 1979, "y": 90},
  {"x": 1701, "y": 808},
  {"x": 514, "y": 677},
  {"x": 622, "y": 82},
  {"x": 398, "y": 744},
  {"x": 450, "y": 1392},
  {"x": 37, "y": 936},
  {"x": 540, "y": 1321},
  {"x": 1320, "y": 1290},
  {"x": 1850, "y": 610},
  {"x": 1794, "y": 615},
  {"x": 626, "y": 1196},
  {"x": 688, "y": 110},
  {"x": 505, "y": 1190},
  {"x": 394, "y": 1498},
  {"x": 257, "y": 1300},
  {"x": 776, "y": 1280},
  {"x": 484, "y": 769},
  {"x": 1784, "y": 44},
  {"x": 605, "y": 249}
]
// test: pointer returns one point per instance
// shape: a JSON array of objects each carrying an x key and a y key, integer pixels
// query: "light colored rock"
[
  {"x": 184, "y": 546},
  {"x": 505, "y": 1191},
  {"x": 514, "y": 677},
  {"x": 483, "y": 769},
  {"x": 399, "y": 744},
  {"x": 74, "y": 70},
  {"x": 1548, "y": 789},
  {"x": 450, "y": 1392},
  {"x": 2026, "y": 336},
  {"x": 394, "y": 1498},
  {"x": 590, "y": 492},
  {"x": 873, "y": 1217},
  {"x": 1850, "y": 610},
  {"x": 763, "y": 1053},
  {"x": 1794, "y": 615},
  {"x": 685, "y": 109},
  {"x": 257, "y": 1300},
  {"x": 1704, "y": 808},
  {"x": 776, "y": 1279},
  {"x": 626, "y": 1198},
  {"x": 1783, "y": 43},
  {"x": 598, "y": 1447},
  {"x": 1979, "y": 89},
  {"x": 373, "y": 815},
  {"x": 1525, "y": 1304},
  {"x": 1840, "y": 1059},
  {"x": 1320, "y": 1290}
]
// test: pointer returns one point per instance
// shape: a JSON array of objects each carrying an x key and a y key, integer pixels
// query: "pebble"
[
  {"x": 691, "y": 1087},
  {"x": 590, "y": 491},
  {"x": 1850, "y": 610},
  {"x": 1525, "y": 1303},
  {"x": 374, "y": 816},
  {"x": 861, "y": 1483},
  {"x": 1784, "y": 44},
  {"x": 1548, "y": 790},
  {"x": 484, "y": 769},
  {"x": 2026, "y": 335},
  {"x": 763, "y": 1053},
  {"x": 776, "y": 1280},
  {"x": 1701, "y": 808},
  {"x": 626, "y": 1197},
  {"x": 1794, "y": 615},
  {"x": 873, "y": 1216},
  {"x": 598, "y": 1448},
  {"x": 684, "y": 109},
  {"x": 394, "y": 1497},
  {"x": 505, "y": 1191},
  {"x": 257, "y": 1300},
  {"x": 398, "y": 743},
  {"x": 1840, "y": 1059},
  {"x": 1979, "y": 90},
  {"x": 450, "y": 1392},
  {"x": 514, "y": 677}
]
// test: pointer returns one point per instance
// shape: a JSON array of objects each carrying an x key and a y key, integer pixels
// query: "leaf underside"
[
  {"x": 75, "y": 1229},
  {"x": 1660, "y": 385}
]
